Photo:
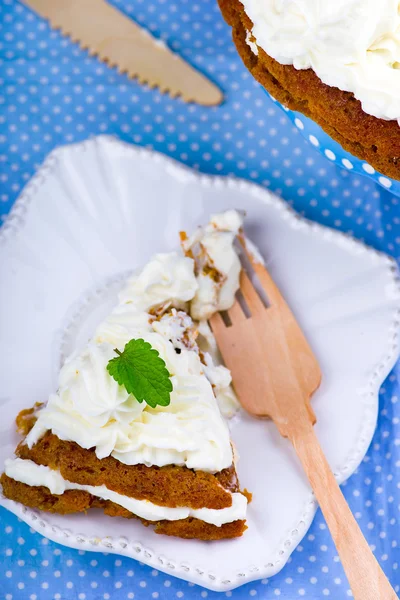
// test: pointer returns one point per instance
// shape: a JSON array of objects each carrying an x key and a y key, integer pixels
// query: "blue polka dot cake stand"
[{"x": 334, "y": 152}]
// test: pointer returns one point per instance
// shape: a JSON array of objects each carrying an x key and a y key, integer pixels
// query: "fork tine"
[
  {"x": 217, "y": 324},
  {"x": 250, "y": 294},
  {"x": 264, "y": 277},
  {"x": 236, "y": 313},
  {"x": 269, "y": 285}
]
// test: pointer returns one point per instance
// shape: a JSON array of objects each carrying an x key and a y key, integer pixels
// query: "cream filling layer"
[{"x": 28, "y": 472}]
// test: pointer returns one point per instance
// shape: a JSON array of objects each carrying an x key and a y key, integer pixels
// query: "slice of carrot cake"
[{"x": 137, "y": 426}]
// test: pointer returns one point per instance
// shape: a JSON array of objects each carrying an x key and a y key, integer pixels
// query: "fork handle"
[{"x": 366, "y": 578}]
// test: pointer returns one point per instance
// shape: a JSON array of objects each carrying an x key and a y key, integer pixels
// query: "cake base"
[
  {"x": 374, "y": 140},
  {"x": 73, "y": 501}
]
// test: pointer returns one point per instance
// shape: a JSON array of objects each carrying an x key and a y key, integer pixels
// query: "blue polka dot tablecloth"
[{"x": 53, "y": 93}]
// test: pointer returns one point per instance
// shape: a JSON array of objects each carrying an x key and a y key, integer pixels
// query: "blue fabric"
[{"x": 53, "y": 93}]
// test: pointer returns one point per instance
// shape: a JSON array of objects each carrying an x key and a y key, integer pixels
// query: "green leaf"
[{"x": 143, "y": 373}]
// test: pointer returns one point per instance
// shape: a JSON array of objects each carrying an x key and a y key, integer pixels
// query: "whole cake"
[
  {"x": 336, "y": 61},
  {"x": 138, "y": 425}
]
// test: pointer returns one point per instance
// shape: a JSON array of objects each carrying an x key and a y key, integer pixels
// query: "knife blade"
[{"x": 107, "y": 33}]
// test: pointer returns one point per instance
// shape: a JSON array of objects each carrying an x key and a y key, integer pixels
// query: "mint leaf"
[{"x": 143, "y": 373}]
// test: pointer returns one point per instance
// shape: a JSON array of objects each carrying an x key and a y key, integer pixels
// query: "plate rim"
[{"x": 136, "y": 550}]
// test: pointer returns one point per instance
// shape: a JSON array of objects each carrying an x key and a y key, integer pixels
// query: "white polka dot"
[
  {"x": 329, "y": 154},
  {"x": 385, "y": 182},
  {"x": 346, "y": 163},
  {"x": 298, "y": 123},
  {"x": 368, "y": 169},
  {"x": 313, "y": 140}
]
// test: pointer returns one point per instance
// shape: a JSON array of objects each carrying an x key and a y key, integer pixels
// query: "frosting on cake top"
[
  {"x": 93, "y": 410},
  {"x": 350, "y": 44}
]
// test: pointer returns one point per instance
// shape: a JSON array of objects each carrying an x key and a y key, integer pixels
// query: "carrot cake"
[
  {"x": 138, "y": 425},
  {"x": 336, "y": 62}
]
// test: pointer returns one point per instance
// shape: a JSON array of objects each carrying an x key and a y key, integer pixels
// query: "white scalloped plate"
[{"x": 98, "y": 209}]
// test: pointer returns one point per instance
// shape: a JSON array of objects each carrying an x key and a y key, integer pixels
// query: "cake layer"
[
  {"x": 170, "y": 485},
  {"x": 338, "y": 112},
  {"x": 72, "y": 501},
  {"x": 28, "y": 472}
]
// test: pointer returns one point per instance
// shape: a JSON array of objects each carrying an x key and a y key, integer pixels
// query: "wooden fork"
[{"x": 275, "y": 373}]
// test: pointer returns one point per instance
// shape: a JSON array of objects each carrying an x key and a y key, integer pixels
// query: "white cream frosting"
[
  {"x": 91, "y": 409},
  {"x": 178, "y": 327},
  {"x": 250, "y": 42},
  {"x": 213, "y": 247},
  {"x": 28, "y": 472},
  {"x": 166, "y": 278},
  {"x": 350, "y": 44},
  {"x": 218, "y": 375}
]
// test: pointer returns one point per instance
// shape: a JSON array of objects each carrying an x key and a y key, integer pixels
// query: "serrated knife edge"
[{"x": 116, "y": 40}]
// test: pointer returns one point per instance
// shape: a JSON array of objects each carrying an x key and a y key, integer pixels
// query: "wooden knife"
[{"x": 118, "y": 41}]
